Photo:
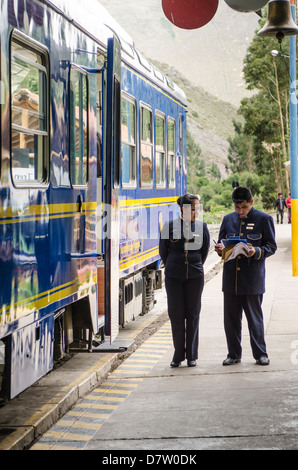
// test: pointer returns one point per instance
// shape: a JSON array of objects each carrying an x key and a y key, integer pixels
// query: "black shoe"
[
  {"x": 229, "y": 361},
  {"x": 175, "y": 364},
  {"x": 191, "y": 363},
  {"x": 263, "y": 361}
]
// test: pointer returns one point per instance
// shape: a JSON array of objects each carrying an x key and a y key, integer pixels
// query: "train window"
[
  {"x": 160, "y": 155},
  {"x": 78, "y": 127},
  {"x": 29, "y": 112},
  {"x": 146, "y": 147},
  {"x": 128, "y": 142},
  {"x": 181, "y": 136},
  {"x": 171, "y": 154}
]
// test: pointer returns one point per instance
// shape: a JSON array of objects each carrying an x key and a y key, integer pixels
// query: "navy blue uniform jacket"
[
  {"x": 183, "y": 248},
  {"x": 246, "y": 276}
]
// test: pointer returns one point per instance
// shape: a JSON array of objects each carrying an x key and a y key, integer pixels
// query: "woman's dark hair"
[
  {"x": 241, "y": 195},
  {"x": 187, "y": 199}
]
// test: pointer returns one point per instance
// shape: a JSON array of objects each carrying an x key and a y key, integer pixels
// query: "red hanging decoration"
[{"x": 190, "y": 14}]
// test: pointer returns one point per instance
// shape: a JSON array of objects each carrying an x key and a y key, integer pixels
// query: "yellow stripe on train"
[{"x": 139, "y": 259}]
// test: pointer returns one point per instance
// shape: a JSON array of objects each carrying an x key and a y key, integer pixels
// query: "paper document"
[
  {"x": 239, "y": 249},
  {"x": 232, "y": 250}
]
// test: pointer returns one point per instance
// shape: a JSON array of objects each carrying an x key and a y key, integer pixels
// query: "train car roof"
[{"x": 105, "y": 27}]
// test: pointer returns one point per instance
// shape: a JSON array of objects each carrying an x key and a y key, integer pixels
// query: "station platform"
[{"x": 245, "y": 406}]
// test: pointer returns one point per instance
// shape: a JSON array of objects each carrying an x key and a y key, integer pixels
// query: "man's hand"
[{"x": 251, "y": 252}]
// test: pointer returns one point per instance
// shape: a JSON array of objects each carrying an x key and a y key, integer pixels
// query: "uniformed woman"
[{"x": 184, "y": 246}]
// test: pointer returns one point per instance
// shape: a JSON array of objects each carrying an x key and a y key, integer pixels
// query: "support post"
[{"x": 293, "y": 145}]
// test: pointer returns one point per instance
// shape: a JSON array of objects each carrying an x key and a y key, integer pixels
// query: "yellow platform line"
[
  {"x": 145, "y": 360},
  {"x": 39, "y": 446},
  {"x": 106, "y": 398},
  {"x": 77, "y": 424},
  {"x": 77, "y": 437},
  {"x": 162, "y": 342},
  {"x": 98, "y": 406},
  {"x": 154, "y": 345},
  {"x": 86, "y": 414},
  {"x": 132, "y": 364},
  {"x": 56, "y": 447},
  {"x": 145, "y": 354},
  {"x": 106, "y": 390},
  {"x": 61, "y": 435},
  {"x": 121, "y": 385},
  {"x": 82, "y": 425},
  {"x": 126, "y": 372}
]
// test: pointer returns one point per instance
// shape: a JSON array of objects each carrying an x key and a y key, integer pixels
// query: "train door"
[
  {"x": 101, "y": 117},
  {"x": 111, "y": 185}
]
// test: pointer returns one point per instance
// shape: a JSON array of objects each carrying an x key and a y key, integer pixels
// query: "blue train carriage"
[
  {"x": 153, "y": 175},
  {"x": 64, "y": 185}
]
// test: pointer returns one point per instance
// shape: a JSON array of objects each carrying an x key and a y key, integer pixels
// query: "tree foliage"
[
  {"x": 240, "y": 154},
  {"x": 261, "y": 143},
  {"x": 259, "y": 147},
  {"x": 266, "y": 113}
]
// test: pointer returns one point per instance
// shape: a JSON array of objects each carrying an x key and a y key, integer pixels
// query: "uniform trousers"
[
  {"x": 233, "y": 309},
  {"x": 184, "y": 307}
]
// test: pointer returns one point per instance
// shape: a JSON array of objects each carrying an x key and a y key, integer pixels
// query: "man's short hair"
[
  {"x": 241, "y": 194},
  {"x": 187, "y": 199}
]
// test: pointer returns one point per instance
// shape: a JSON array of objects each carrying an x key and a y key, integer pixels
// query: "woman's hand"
[{"x": 218, "y": 248}]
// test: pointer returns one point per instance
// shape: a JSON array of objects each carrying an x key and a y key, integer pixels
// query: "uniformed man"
[{"x": 244, "y": 276}]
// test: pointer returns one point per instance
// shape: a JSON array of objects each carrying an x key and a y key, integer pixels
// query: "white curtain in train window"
[
  {"x": 146, "y": 147},
  {"x": 160, "y": 157},
  {"x": 29, "y": 114},
  {"x": 128, "y": 143},
  {"x": 171, "y": 154},
  {"x": 78, "y": 127}
]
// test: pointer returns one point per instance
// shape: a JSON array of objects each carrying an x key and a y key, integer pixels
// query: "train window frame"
[
  {"x": 162, "y": 150},
  {"x": 132, "y": 145},
  {"x": 171, "y": 154},
  {"x": 145, "y": 184},
  {"x": 82, "y": 165},
  {"x": 181, "y": 134},
  {"x": 36, "y": 58},
  {"x": 117, "y": 133}
]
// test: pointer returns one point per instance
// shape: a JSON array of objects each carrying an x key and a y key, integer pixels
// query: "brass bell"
[{"x": 279, "y": 22}]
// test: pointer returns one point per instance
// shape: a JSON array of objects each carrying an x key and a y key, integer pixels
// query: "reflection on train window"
[
  {"x": 128, "y": 142},
  {"x": 78, "y": 127},
  {"x": 29, "y": 112},
  {"x": 171, "y": 154},
  {"x": 146, "y": 147},
  {"x": 160, "y": 156}
]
